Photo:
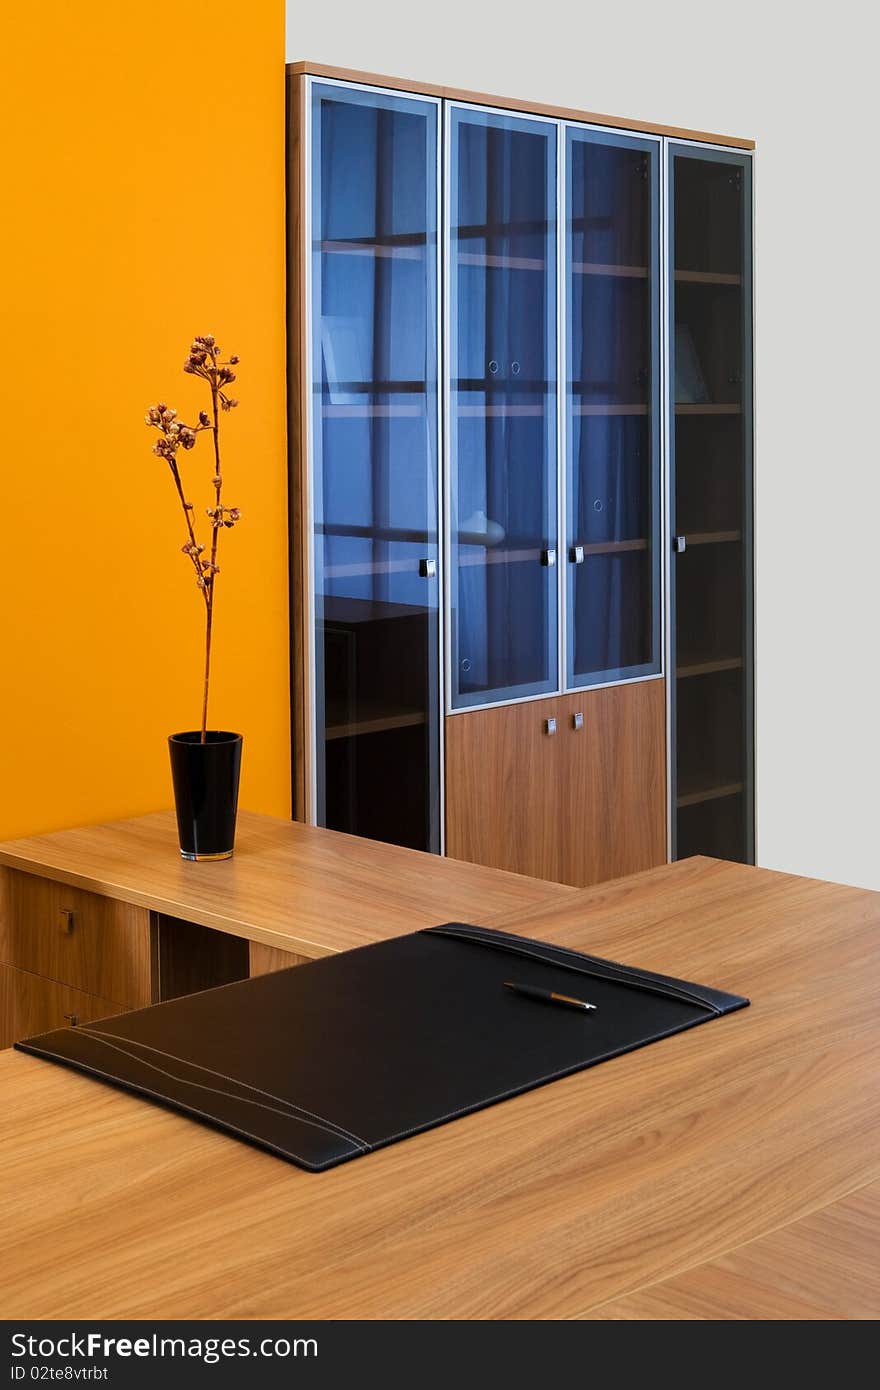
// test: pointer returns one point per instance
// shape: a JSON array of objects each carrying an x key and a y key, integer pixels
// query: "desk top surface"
[
  {"x": 288, "y": 885},
  {"x": 604, "y": 1194}
]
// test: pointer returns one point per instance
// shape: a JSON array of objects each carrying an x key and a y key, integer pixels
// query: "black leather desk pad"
[{"x": 326, "y": 1061}]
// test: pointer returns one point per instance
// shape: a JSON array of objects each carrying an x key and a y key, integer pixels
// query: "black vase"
[{"x": 205, "y": 777}]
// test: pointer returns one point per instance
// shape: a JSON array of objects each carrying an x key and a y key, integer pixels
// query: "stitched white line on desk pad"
[
  {"x": 627, "y": 974},
  {"x": 316, "y": 1122},
  {"x": 225, "y": 1125}
]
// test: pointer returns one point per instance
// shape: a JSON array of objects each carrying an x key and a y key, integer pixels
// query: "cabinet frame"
[
  {"x": 304, "y": 671},
  {"x": 302, "y": 77},
  {"x": 447, "y": 706},
  {"x": 743, "y": 159},
  {"x": 629, "y": 139}
]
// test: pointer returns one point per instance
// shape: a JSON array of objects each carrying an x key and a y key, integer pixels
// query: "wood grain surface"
[
  {"x": 824, "y": 1266},
  {"x": 30, "y": 1005},
  {"x": 77, "y": 938},
  {"x": 578, "y": 806},
  {"x": 293, "y": 886},
  {"x": 553, "y": 1204},
  {"x": 264, "y": 959},
  {"x": 538, "y": 108}
]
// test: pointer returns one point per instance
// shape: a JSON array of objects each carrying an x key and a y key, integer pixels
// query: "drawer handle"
[
  {"x": 69, "y": 917},
  {"x": 72, "y": 1019},
  {"x": 577, "y": 720}
]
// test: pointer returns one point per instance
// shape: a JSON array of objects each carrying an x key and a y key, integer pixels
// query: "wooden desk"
[
  {"x": 109, "y": 916},
  {"x": 705, "y": 1175}
]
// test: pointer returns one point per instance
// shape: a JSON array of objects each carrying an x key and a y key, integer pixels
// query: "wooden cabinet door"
[
  {"x": 613, "y": 794},
  {"x": 503, "y": 771},
  {"x": 582, "y": 805}
]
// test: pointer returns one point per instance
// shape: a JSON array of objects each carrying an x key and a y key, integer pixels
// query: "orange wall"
[{"x": 143, "y": 202}]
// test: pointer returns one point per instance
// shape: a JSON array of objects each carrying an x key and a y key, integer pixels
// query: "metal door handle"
[
  {"x": 577, "y": 720},
  {"x": 427, "y": 568},
  {"x": 550, "y": 726},
  {"x": 576, "y": 554},
  {"x": 679, "y": 544},
  {"x": 72, "y": 1019},
  {"x": 69, "y": 919},
  {"x": 548, "y": 557}
]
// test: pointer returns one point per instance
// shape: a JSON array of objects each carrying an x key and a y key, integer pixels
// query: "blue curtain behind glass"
[{"x": 503, "y": 232}]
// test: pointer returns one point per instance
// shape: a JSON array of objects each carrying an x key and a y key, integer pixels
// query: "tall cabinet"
[{"x": 520, "y": 480}]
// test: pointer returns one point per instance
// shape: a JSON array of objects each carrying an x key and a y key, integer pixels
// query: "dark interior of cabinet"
[
  {"x": 716, "y": 827},
  {"x": 708, "y": 217},
  {"x": 708, "y": 339},
  {"x": 712, "y": 579},
  {"x": 708, "y": 467},
  {"x": 378, "y": 760}
]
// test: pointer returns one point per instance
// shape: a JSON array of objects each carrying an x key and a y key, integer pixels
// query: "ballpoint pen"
[{"x": 548, "y": 996}]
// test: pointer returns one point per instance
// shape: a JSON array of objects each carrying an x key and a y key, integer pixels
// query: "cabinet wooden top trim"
[
  {"x": 534, "y": 108},
  {"x": 549, "y": 1205},
  {"x": 293, "y": 886}
]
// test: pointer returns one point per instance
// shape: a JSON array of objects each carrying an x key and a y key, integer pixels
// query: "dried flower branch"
[{"x": 204, "y": 361}]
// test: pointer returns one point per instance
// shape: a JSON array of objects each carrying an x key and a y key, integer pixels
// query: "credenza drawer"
[
  {"x": 89, "y": 942},
  {"x": 30, "y": 1005}
]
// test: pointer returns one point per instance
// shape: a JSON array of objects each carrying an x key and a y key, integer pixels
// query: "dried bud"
[
  {"x": 199, "y": 549},
  {"x": 216, "y": 481},
  {"x": 188, "y": 506},
  {"x": 200, "y": 583},
  {"x": 204, "y": 419},
  {"x": 234, "y": 359},
  {"x": 235, "y": 513},
  {"x": 229, "y": 523}
]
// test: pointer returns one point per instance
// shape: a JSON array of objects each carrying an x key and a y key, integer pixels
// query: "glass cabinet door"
[
  {"x": 502, "y": 407},
  {"x": 612, "y": 407},
  {"x": 375, "y": 488},
  {"x": 710, "y": 380}
]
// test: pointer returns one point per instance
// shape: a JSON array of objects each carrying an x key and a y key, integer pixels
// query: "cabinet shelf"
[
  {"x": 359, "y": 570},
  {"x": 707, "y": 409},
  {"x": 377, "y": 721},
  {"x": 706, "y": 277},
  {"x": 407, "y": 410},
  {"x": 696, "y": 795},
  {"x": 615, "y": 547},
  {"x": 622, "y": 272},
  {"x": 401, "y": 250},
  {"x": 689, "y": 667},
  {"x": 491, "y": 412},
  {"x": 470, "y": 554},
  {"x": 713, "y": 537},
  {"x": 401, "y": 535},
  {"x": 490, "y": 261},
  {"x": 589, "y": 408}
]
